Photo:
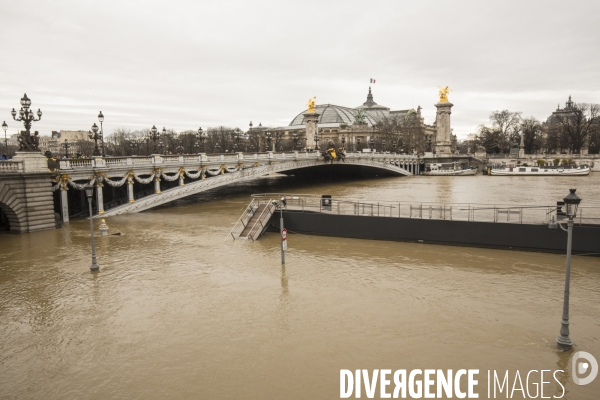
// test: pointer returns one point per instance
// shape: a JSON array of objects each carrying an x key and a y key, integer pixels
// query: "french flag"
[{"x": 372, "y": 80}]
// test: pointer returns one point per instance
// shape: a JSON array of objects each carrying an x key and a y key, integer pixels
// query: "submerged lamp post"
[
  {"x": 572, "y": 201},
  {"x": 101, "y": 119},
  {"x": 89, "y": 192},
  {"x": 93, "y": 134}
]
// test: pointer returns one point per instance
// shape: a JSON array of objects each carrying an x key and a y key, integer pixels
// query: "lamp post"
[
  {"x": 358, "y": 144},
  {"x": 316, "y": 141},
  {"x": 217, "y": 148},
  {"x": 101, "y": 119},
  {"x": 343, "y": 142},
  {"x": 154, "y": 135},
  {"x": 295, "y": 139},
  {"x": 26, "y": 141},
  {"x": 269, "y": 140},
  {"x": 93, "y": 134},
  {"x": 201, "y": 136},
  {"x": 372, "y": 143},
  {"x": 383, "y": 145},
  {"x": 572, "y": 201},
  {"x": 66, "y": 145},
  {"x": 4, "y": 128},
  {"x": 89, "y": 192}
]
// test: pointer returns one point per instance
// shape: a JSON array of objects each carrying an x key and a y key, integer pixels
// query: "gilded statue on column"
[
  {"x": 311, "y": 104},
  {"x": 444, "y": 93}
]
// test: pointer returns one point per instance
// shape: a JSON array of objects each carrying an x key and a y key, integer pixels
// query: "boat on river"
[
  {"x": 546, "y": 170},
  {"x": 454, "y": 168}
]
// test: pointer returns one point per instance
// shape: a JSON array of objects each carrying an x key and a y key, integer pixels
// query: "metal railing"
[
  {"x": 243, "y": 221},
  {"x": 259, "y": 225},
  {"x": 499, "y": 213}
]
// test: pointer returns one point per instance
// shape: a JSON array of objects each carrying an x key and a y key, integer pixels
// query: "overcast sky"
[{"x": 185, "y": 64}]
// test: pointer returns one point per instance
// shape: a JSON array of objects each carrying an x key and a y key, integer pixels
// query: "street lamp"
[
  {"x": 201, "y": 136},
  {"x": 383, "y": 145},
  {"x": 101, "y": 119},
  {"x": 26, "y": 141},
  {"x": 295, "y": 139},
  {"x": 66, "y": 145},
  {"x": 572, "y": 201},
  {"x": 93, "y": 134},
  {"x": 154, "y": 135},
  {"x": 372, "y": 143},
  {"x": 5, "y": 127},
  {"x": 358, "y": 144},
  {"x": 316, "y": 141},
  {"x": 269, "y": 141},
  {"x": 89, "y": 192},
  {"x": 343, "y": 142},
  {"x": 217, "y": 148}
]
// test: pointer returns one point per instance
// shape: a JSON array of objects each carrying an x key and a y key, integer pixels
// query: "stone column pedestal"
[
  {"x": 312, "y": 121},
  {"x": 443, "y": 143}
]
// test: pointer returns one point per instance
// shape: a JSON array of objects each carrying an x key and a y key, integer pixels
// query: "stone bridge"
[{"x": 185, "y": 175}]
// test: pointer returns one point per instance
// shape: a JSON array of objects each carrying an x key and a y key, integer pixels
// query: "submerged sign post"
[{"x": 284, "y": 238}]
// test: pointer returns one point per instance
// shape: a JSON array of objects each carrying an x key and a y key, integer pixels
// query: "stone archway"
[{"x": 27, "y": 202}]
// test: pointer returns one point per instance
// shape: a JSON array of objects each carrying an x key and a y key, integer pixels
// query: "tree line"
[{"x": 569, "y": 131}]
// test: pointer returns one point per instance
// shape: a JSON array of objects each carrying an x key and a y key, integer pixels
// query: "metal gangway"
[{"x": 254, "y": 220}]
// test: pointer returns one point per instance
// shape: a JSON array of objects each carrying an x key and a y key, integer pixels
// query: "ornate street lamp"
[
  {"x": 154, "y": 136},
  {"x": 572, "y": 201},
  {"x": 161, "y": 147},
  {"x": 295, "y": 139},
  {"x": 372, "y": 143},
  {"x": 201, "y": 136},
  {"x": 383, "y": 145},
  {"x": 343, "y": 142},
  {"x": 357, "y": 144},
  {"x": 93, "y": 134},
  {"x": 217, "y": 147},
  {"x": 394, "y": 144},
  {"x": 66, "y": 145},
  {"x": 101, "y": 119},
  {"x": 269, "y": 140},
  {"x": 316, "y": 141},
  {"x": 89, "y": 192},
  {"x": 4, "y": 128},
  {"x": 27, "y": 142}
]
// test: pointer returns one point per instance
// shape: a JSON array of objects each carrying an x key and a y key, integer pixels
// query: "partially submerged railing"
[
  {"x": 243, "y": 221},
  {"x": 263, "y": 218},
  {"x": 500, "y": 213}
]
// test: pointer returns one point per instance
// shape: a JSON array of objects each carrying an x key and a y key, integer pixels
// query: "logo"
[{"x": 579, "y": 368}]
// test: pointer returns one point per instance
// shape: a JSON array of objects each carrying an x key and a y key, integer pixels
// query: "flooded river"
[{"x": 174, "y": 313}]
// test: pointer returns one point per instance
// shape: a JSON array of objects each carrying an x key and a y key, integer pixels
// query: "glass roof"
[{"x": 333, "y": 114}]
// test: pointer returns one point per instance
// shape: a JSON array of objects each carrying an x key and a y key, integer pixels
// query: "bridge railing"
[
  {"x": 474, "y": 212},
  {"x": 11, "y": 166},
  {"x": 108, "y": 162}
]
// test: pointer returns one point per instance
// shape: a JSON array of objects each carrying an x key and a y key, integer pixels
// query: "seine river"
[{"x": 175, "y": 313}]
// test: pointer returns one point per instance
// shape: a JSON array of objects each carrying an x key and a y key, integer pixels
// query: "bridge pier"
[{"x": 157, "y": 185}]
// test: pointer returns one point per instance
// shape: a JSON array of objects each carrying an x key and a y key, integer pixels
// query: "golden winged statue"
[
  {"x": 311, "y": 104},
  {"x": 444, "y": 93}
]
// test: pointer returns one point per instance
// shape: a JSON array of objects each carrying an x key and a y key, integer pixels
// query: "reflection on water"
[{"x": 175, "y": 313}]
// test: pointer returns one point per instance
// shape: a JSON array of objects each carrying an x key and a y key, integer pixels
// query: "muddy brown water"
[{"x": 176, "y": 313}]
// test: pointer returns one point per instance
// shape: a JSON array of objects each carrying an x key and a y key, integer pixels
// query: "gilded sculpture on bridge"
[
  {"x": 311, "y": 105},
  {"x": 444, "y": 93}
]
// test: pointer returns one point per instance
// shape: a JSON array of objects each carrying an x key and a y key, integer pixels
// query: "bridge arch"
[{"x": 230, "y": 175}]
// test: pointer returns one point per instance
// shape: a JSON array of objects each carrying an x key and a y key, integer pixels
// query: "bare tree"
[
  {"x": 531, "y": 130},
  {"x": 505, "y": 128}
]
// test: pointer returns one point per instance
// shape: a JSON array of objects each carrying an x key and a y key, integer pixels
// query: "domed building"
[{"x": 355, "y": 128}]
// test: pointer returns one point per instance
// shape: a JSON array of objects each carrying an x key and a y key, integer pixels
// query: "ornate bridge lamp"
[
  {"x": 343, "y": 142},
  {"x": 237, "y": 137},
  {"x": 201, "y": 136},
  {"x": 4, "y": 128},
  {"x": 383, "y": 145},
  {"x": 66, "y": 145},
  {"x": 216, "y": 148},
  {"x": 161, "y": 147},
  {"x": 101, "y": 119},
  {"x": 372, "y": 143},
  {"x": 154, "y": 136},
  {"x": 394, "y": 144},
  {"x": 89, "y": 193},
  {"x": 295, "y": 140},
  {"x": 269, "y": 141},
  {"x": 93, "y": 134},
  {"x": 572, "y": 201},
  {"x": 246, "y": 138},
  {"x": 27, "y": 142},
  {"x": 358, "y": 144},
  {"x": 316, "y": 141}
]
